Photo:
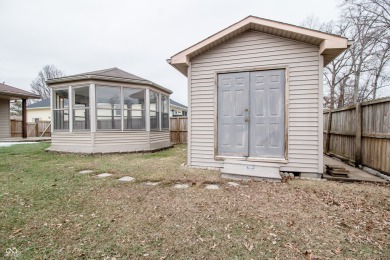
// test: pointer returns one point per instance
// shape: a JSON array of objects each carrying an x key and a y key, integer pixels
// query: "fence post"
[
  {"x": 178, "y": 129},
  {"x": 327, "y": 140},
  {"x": 24, "y": 118},
  {"x": 36, "y": 129},
  {"x": 358, "y": 136}
]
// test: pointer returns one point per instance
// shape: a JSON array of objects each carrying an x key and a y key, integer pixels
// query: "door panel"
[
  {"x": 259, "y": 97},
  {"x": 233, "y": 99},
  {"x": 266, "y": 127}
]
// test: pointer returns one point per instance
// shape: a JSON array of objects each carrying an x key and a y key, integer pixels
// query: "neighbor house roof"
[
  {"x": 330, "y": 45},
  {"x": 112, "y": 74},
  {"x": 9, "y": 92},
  {"x": 174, "y": 103},
  {"x": 44, "y": 103}
]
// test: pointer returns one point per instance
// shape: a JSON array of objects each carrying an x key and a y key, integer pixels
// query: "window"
[
  {"x": 61, "y": 109},
  {"x": 81, "y": 115},
  {"x": 154, "y": 111},
  {"x": 164, "y": 112},
  {"x": 133, "y": 108},
  {"x": 108, "y": 107}
]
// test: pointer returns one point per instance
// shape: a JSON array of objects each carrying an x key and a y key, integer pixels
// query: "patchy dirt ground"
[{"x": 47, "y": 210}]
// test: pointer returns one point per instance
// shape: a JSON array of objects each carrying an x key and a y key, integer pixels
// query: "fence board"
[
  {"x": 368, "y": 143},
  {"x": 33, "y": 129},
  {"x": 179, "y": 129}
]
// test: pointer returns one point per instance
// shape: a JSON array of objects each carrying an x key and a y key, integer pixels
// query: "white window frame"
[
  {"x": 53, "y": 106},
  {"x": 73, "y": 108},
  {"x": 142, "y": 110},
  {"x": 120, "y": 108}
]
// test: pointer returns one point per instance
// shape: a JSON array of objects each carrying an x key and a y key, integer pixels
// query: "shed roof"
[
  {"x": 8, "y": 92},
  {"x": 111, "y": 74},
  {"x": 330, "y": 45}
]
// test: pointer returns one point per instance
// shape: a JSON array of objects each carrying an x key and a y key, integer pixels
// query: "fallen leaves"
[{"x": 249, "y": 246}]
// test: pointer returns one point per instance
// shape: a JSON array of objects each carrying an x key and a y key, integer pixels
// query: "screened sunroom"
[{"x": 108, "y": 111}]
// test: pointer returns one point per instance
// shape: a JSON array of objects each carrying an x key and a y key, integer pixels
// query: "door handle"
[
  {"x": 246, "y": 119},
  {"x": 246, "y": 109}
]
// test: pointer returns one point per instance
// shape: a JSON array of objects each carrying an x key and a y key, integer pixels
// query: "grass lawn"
[{"x": 47, "y": 210}]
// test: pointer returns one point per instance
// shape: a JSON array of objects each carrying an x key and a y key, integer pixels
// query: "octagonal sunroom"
[{"x": 108, "y": 111}]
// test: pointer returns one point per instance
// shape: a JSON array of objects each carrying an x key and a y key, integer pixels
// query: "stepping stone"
[
  {"x": 152, "y": 183},
  {"x": 181, "y": 186},
  {"x": 85, "y": 171},
  {"x": 212, "y": 187},
  {"x": 233, "y": 184},
  {"x": 104, "y": 175},
  {"x": 126, "y": 179}
]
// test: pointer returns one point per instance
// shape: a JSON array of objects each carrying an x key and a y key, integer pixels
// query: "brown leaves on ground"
[{"x": 85, "y": 217}]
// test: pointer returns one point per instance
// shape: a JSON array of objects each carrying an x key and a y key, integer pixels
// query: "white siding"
[
  {"x": 109, "y": 141},
  {"x": 252, "y": 50},
  {"x": 5, "y": 124},
  {"x": 159, "y": 139}
]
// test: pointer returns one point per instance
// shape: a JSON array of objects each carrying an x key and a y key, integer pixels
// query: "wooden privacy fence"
[
  {"x": 360, "y": 133},
  {"x": 179, "y": 130},
  {"x": 41, "y": 128}
]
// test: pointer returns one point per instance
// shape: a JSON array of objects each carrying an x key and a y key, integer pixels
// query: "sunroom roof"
[{"x": 111, "y": 74}]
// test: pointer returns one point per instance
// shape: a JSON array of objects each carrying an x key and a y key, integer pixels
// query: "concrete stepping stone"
[
  {"x": 233, "y": 184},
  {"x": 181, "y": 186},
  {"x": 212, "y": 187},
  {"x": 85, "y": 171},
  {"x": 104, "y": 175},
  {"x": 126, "y": 179},
  {"x": 152, "y": 183}
]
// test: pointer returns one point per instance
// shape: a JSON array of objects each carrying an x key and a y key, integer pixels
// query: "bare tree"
[
  {"x": 16, "y": 108},
  {"x": 358, "y": 73},
  {"x": 380, "y": 71},
  {"x": 379, "y": 8},
  {"x": 370, "y": 54},
  {"x": 38, "y": 85},
  {"x": 339, "y": 70}
]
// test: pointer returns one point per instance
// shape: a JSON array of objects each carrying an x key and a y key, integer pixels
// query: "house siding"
[
  {"x": 42, "y": 113},
  {"x": 5, "y": 123},
  {"x": 249, "y": 51}
]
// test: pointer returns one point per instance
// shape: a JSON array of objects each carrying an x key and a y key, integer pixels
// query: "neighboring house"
[
  {"x": 177, "y": 109},
  {"x": 108, "y": 111},
  {"x": 255, "y": 98},
  {"x": 8, "y": 93},
  {"x": 41, "y": 110}
]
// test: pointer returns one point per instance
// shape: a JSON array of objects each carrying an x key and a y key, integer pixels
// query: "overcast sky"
[{"x": 136, "y": 36}]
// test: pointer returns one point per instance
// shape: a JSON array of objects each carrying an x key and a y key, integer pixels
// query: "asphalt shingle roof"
[
  {"x": 114, "y": 74},
  {"x": 13, "y": 92},
  {"x": 43, "y": 103},
  {"x": 173, "y": 102}
]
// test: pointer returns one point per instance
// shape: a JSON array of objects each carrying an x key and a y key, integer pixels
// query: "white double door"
[{"x": 251, "y": 114}]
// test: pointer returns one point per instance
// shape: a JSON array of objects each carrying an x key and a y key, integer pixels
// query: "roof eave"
[
  {"x": 37, "y": 108},
  {"x": 19, "y": 96},
  {"x": 104, "y": 78},
  {"x": 181, "y": 107},
  {"x": 331, "y": 51},
  {"x": 180, "y": 60},
  {"x": 181, "y": 67}
]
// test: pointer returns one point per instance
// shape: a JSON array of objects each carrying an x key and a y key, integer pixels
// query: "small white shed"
[{"x": 255, "y": 98}]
